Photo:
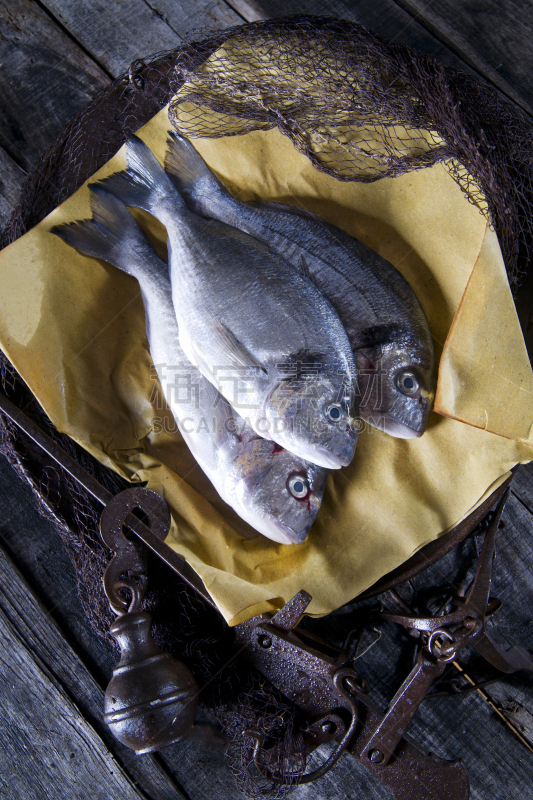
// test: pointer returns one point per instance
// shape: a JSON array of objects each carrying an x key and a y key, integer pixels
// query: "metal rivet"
[
  {"x": 328, "y": 727},
  {"x": 265, "y": 641},
  {"x": 376, "y": 756}
]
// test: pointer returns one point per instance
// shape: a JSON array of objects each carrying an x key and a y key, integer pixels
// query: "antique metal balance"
[{"x": 152, "y": 698}]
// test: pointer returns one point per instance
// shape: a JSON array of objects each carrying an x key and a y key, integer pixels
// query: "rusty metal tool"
[
  {"x": 443, "y": 637},
  {"x": 319, "y": 679}
]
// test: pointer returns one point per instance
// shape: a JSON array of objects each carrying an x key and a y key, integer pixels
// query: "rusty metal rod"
[{"x": 103, "y": 495}]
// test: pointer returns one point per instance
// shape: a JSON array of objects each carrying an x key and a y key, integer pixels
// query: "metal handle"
[{"x": 278, "y": 777}]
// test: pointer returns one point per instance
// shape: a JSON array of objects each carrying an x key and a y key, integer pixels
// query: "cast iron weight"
[{"x": 152, "y": 698}]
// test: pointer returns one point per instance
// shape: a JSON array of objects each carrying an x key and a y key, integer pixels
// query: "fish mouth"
[
  {"x": 278, "y": 532},
  {"x": 399, "y": 429},
  {"x": 271, "y": 527},
  {"x": 325, "y": 458}
]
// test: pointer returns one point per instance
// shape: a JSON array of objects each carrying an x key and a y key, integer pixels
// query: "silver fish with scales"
[
  {"x": 277, "y": 493},
  {"x": 385, "y": 323},
  {"x": 261, "y": 332}
]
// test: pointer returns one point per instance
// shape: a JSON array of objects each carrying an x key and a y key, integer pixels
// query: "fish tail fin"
[
  {"x": 144, "y": 183},
  {"x": 83, "y": 236},
  {"x": 109, "y": 235},
  {"x": 191, "y": 175}
]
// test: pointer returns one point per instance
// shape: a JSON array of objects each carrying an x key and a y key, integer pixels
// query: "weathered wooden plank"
[
  {"x": 513, "y": 568},
  {"x": 37, "y": 550},
  {"x": 48, "y": 748},
  {"x": 11, "y": 180},
  {"x": 492, "y": 36},
  {"x": 198, "y": 765},
  {"x": 515, "y": 704},
  {"x": 34, "y": 627},
  {"x": 184, "y": 15},
  {"x": 117, "y": 33},
  {"x": 45, "y": 79},
  {"x": 523, "y": 485},
  {"x": 384, "y": 17},
  {"x": 512, "y": 625},
  {"x": 39, "y": 545},
  {"x": 498, "y": 765}
]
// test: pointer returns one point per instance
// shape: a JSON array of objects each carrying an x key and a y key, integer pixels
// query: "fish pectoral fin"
[
  {"x": 233, "y": 354},
  {"x": 196, "y": 356}
]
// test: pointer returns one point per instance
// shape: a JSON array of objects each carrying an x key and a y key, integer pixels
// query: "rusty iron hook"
[{"x": 342, "y": 678}]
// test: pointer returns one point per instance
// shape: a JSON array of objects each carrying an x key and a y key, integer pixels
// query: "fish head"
[
  {"x": 397, "y": 387},
  {"x": 278, "y": 493},
  {"x": 316, "y": 418}
]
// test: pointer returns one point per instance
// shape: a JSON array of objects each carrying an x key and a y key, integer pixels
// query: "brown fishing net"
[
  {"x": 361, "y": 108},
  {"x": 389, "y": 109}
]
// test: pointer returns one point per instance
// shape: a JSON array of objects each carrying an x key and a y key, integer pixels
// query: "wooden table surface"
[{"x": 54, "y": 56}]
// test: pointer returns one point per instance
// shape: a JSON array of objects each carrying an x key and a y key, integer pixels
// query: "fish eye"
[
  {"x": 334, "y": 412},
  {"x": 408, "y": 383},
  {"x": 298, "y": 486}
]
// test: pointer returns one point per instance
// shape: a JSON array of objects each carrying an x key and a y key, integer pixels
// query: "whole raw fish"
[
  {"x": 262, "y": 333},
  {"x": 276, "y": 492},
  {"x": 385, "y": 323}
]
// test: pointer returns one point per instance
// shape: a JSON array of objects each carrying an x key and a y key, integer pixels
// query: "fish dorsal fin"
[{"x": 295, "y": 210}]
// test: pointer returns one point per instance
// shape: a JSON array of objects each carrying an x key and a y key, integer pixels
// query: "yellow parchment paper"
[{"x": 73, "y": 327}]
